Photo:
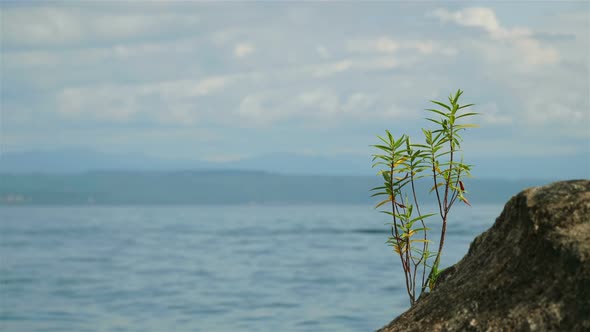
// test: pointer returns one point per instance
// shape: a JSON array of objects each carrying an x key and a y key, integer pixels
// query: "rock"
[{"x": 529, "y": 272}]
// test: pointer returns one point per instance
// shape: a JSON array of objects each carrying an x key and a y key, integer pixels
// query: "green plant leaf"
[
  {"x": 468, "y": 125},
  {"x": 435, "y": 121},
  {"x": 441, "y": 104},
  {"x": 424, "y": 216},
  {"x": 383, "y": 202},
  {"x": 383, "y": 147},
  {"x": 457, "y": 95},
  {"x": 437, "y": 185},
  {"x": 465, "y": 106},
  {"x": 437, "y": 112},
  {"x": 466, "y": 114}
]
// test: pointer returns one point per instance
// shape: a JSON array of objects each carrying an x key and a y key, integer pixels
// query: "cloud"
[
  {"x": 365, "y": 63},
  {"x": 387, "y": 45},
  {"x": 476, "y": 17},
  {"x": 243, "y": 49},
  {"x": 60, "y": 25},
  {"x": 568, "y": 113},
  {"x": 319, "y": 102},
  {"x": 548, "y": 88},
  {"x": 192, "y": 66},
  {"x": 331, "y": 68},
  {"x": 262, "y": 109},
  {"x": 319, "y": 107},
  {"x": 519, "y": 40},
  {"x": 112, "y": 103},
  {"x": 31, "y": 58},
  {"x": 93, "y": 55},
  {"x": 323, "y": 52},
  {"x": 490, "y": 114},
  {"x": 209, "y": 85},
  {"x": 381, "y": 45},
  {"x": 512, "y": 146},
  {"x": 167, "y": 102}
]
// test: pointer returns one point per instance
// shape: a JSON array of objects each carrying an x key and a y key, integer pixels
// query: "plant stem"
[
  {"x": 446, "y": 207},
  {"x": 397, "y": 239},
  {"x": 425, "y": 246}
]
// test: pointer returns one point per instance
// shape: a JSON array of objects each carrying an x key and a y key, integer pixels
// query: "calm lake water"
[{"x": 207, "y": 268}]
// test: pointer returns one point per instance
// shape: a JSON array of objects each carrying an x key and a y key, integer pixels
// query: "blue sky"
[{"x": 228, "y": 81}]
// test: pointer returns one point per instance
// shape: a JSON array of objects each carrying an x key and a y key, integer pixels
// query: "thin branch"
[{"x": 397, "y": 238}]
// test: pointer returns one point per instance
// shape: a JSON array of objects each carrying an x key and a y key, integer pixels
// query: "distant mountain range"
[
  {"x": 82, "y": 160},
  {"x": 218, "y": 187},
  {"x": 83, "y": 177}
]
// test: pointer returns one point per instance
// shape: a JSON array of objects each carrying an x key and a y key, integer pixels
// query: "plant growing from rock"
[{"x": 402, "y": 164}]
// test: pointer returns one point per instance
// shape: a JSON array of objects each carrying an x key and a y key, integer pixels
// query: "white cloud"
[
  {"x": 476, "y": 17},
  {"x": 575, "y": 27},
  {"x": 515, "y": 146},
  {"x": 386, "y": 45},
  {"x": 323, "y": 52},
  {"x": 243, "y": 49},
  {"x": 107, "y": 103},
  {"x": 339, "y": 76},
  {"x": 256, "y": 109},
  {"x": 525, "y": 48},
  {"x": 210, "y": 85},
  {"x": 226, "y": 35},
  {"x": 553, "y": 101},
  {"x": 359, "y": 103},
  {"x": 263, "y": 109},
  {"x": 331, "y": 68},
  {"x": 128, "y": 25},
  {"x": 382, "y": 45},
  {"x": 172, "y": 101},
  {"x": 319, "y": 102},
  {"x": 490, "y": 114},
  {"x": 40, "y": 25},
  {"x": 47, "y": 25},
  {"x": 94, "y": 55},
  {"x": 319, "y": 107},
  {"x": 548, "y": 96},
  {"x": 31, "y": 58},
  {"x": 424, "y": 47},
  {"x": 569, "y": 110},
  {"x": 369, "y": 63}
]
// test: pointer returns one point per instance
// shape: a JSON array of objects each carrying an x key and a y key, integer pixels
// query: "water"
[{"x": 212, "y": 268}]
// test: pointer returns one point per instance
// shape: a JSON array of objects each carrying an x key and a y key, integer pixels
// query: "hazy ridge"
[
  {"x": 84, "y": 160},
  {"x": 217, "y": 187}
]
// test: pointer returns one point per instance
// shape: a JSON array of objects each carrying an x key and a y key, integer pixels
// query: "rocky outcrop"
[{"x": 529, "y": 272}]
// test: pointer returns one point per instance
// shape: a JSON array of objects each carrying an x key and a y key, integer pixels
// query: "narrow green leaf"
[
  {"x": 421, "y": 229},
  {"x": 466, "y": 114},
  {"x": 468, "y": 125},
  {"x": 432, "y": 120},
  {"x": 383, "y": 202},
  {"x": 424, "y": 216},
  {"x": 382, "y": 147},
  {"x": 377, "y": 188},
  {"x": 435, "y": 186},
  {"x": 441, "y": 104},
  {"x": 384, "y": 140},
  {"x": 457, "y": 95},
  {"x": 437, "y": 112},
  {"x": 465, "y": 106}
]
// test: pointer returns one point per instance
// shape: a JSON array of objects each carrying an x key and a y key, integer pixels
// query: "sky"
[{"x": 228, "y": 81}]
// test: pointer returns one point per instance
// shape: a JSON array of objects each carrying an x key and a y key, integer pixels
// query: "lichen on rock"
[{"x": 529, "y": 272}]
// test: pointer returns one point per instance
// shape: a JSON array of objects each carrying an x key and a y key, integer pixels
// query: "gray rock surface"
[{"x": 529, "y": 272}]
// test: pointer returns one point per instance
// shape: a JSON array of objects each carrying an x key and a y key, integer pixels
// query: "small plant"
[{"x": 402, "y": 164}]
